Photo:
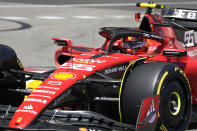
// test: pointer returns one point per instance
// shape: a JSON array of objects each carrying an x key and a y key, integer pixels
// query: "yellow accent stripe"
[
  {"x": 33, "y": 84},
  {"x": 161, "y": 82},
  {"x": 147, "y": 5},
  {"x": 121, "y": 86},
  {"x": 162, "y": 6}
]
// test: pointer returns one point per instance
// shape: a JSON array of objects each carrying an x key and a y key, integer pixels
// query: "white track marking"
[
  {"x": 88, "y": 5},
  {"x": 51, "y": 17},
  {"x": 14, "y": 18},
  {"x": 62, "y": 18},
  {"x": 86, "y": 17},
  {"x": 66, "y": 6},
  {"x": 77, "y": 5},
  {"x": 118, "y": 17}
]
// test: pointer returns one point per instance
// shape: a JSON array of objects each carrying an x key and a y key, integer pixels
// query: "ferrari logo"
[
  {"x": 64, "y": 76},
  {"x": 19, "y": 119}
]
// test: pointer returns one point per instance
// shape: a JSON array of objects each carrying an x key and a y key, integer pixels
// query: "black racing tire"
[
  {"x": 9, "y": 61},
  {"x": 157, "y": 78}
]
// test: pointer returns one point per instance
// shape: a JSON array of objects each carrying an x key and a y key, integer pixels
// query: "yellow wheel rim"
[{"x": 175, "y": 103}]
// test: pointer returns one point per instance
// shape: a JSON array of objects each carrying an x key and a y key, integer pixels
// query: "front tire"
[
  {"x": 9, "y": 61},
  {"x": 158, "y": 78}
]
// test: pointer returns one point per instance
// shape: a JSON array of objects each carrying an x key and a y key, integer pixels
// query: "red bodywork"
[{"x": 80, "y": 66}]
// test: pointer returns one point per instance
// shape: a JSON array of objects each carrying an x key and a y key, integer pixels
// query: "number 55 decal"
[{"x": 189, "y": 38}]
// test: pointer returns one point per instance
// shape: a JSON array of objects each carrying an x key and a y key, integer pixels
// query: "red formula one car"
[{"x": 140, "y": 79}]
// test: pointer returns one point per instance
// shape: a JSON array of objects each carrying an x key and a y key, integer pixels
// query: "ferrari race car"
[{"x": 141, "y": 79}]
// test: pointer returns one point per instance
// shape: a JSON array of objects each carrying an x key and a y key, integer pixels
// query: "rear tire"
[{"x": 158, "y": 78}]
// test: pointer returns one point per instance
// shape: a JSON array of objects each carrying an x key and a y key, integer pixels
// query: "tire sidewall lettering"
[{"x": 174, "y": 72}]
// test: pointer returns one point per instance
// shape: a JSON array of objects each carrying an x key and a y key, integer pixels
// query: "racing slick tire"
[
  {"x": 9, "y": 79},
  {"x": 158, "y": 78}
]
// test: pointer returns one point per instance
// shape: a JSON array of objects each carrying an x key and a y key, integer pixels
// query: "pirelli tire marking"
[
  {"x": 165, "y": 75},
  {"x": 161, "y": 82},
  {"x": 176, "y": 69}
]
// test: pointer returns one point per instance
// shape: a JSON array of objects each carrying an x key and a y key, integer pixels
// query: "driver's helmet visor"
[{"x": 133, "y": 43}]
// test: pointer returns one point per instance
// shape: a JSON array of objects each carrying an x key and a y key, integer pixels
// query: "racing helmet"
[{"x": 134, "y": 44}]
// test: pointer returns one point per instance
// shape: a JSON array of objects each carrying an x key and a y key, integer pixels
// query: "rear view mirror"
[
  {"x": 174, "y": 53},
  {"x": 62, "y": 42}
]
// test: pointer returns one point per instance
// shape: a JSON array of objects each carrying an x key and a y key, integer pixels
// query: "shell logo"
[{"x": 64, "y": 75}]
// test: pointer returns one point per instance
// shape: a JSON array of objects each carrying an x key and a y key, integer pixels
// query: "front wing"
[
  {"x": 65, "y": 120},
  {"x": 53, "y": 120}
]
